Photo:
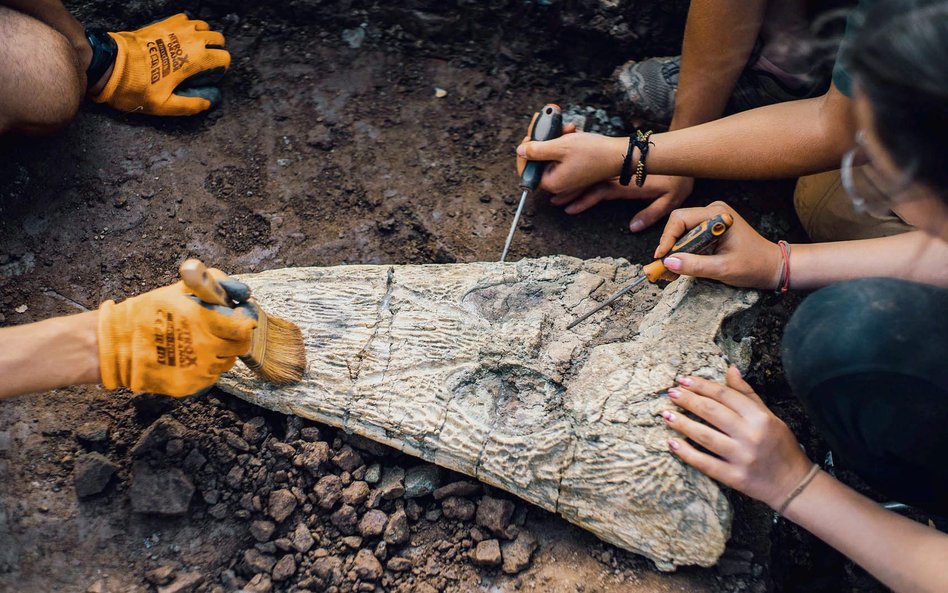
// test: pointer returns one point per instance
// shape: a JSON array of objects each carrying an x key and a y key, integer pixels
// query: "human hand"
[
  {"x": 168, "y": 341},
  {"x": 742, "y": 258},
  {"x": 167, "y": 68},
  {"x": 755, "y": 451},
  {"x": 577, "y": 160},
  {"x": 666, "y": 192}
]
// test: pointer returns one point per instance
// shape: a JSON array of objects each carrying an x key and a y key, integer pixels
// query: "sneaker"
[{"x": 646, "y": 90}]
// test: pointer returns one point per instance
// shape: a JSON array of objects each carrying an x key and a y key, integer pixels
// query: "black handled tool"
[
  {"x": 547, "y": 126},
  {"x": 700, "y": 239}
]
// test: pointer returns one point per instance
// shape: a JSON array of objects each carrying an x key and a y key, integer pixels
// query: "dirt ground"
[{"x": 325, "y": 154}]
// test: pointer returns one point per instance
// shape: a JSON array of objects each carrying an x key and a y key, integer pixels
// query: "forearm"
[
  {"x": 719, "y": 37},
  {"x": 777, "y": 141},
  {"x": 911, "y": 256},
  {"x": 48, "y": 354},
  {"x": 904, "y": 555}
]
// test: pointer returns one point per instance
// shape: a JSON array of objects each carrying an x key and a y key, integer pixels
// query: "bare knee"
[{"x": 41, "y": 85}]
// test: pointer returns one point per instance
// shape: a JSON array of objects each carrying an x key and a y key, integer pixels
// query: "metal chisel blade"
[
  {"x": 513, "y": 226},
  {"x": 642, "y": 278}
]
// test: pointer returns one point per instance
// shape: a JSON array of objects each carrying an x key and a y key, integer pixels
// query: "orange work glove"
[
  {"x": 167, "y": 341},
  {"x": 167, "y": 68}
]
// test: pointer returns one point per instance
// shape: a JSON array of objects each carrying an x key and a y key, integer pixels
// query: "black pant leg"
[{"x": 869, "y": 360}]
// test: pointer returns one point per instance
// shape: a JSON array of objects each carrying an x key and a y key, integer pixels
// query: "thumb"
[
  {"x": 690, "y": 264},
  {"x": 736, "y": 381},
  {"x": 540, "y": 151}
]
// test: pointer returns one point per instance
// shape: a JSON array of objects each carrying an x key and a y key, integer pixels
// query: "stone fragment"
[
  {"x": 312, "y": 456},
  {"x": 91, "y": 473},
  {"x": 185, "y": 583},
  {"x": 281, "y": 505},
  {"x": 328, "y": 568},
  {"x": 157, "y": 434},
  {"x": 422, "y": 480},
  {"x": 328, "y": 491},
  {"x": 301, "y": 539},
  {"x": 310, "y": 433},
  {"x": 518, "y": 552},
  {"x": 161, "y": 575},
  {"x": 369, "y": 446},
  {"x": 352, "y": 541},
  {"x": 254, "y": 429},
  {"x": 392, "y": 483},
  {"x": 165, "y": 491},
  {"x": 93, "y": 432},
  {"x": 494, "y": 514},
  {"x": 347, "y": 459},
  {"x": 457, "y": 508},
  {"x": 487, "y": 553},
  {"x": 373, "y": 473},
  {"x": 194, "y": 461},
  {"x": 398, "y": 564},
  {"x": 355, "y": 493},
  {"x": 396, "y": 531},
  {"x": 460, "y": 488},
  {"x": 283, "y": 569},
  {"x": 262, "y": 531},
  {"x": 258, "y": 562},
  {"x": 260, "y": 583},
  {"x": 373, "y": 523},
  {"x": 345, "y": 519},
  {"x": 367, "y": 566},
  {"x": 566, "y": 419}
]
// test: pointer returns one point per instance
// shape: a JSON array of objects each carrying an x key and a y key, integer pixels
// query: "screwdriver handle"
[
  {"x": 547, "y": 126},
  {"x": 700, "y": 239}
]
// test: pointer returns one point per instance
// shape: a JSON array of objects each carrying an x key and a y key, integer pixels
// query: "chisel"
[
  {"x": 700, "y": 239},
  {"x": 547, "y": 126}
]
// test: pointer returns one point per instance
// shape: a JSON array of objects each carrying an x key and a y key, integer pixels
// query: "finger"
[
  {"x": 651, "y": 214},
  {"x": 216, "y": 58},
  {"x": 587, "y": 201},
  {"x": 700, "y": 266},
  {"x": 551, "y": 150},
  {"x": 709, "y": 438},
  {"x": 187, "y": 102},
  {"x": 736, "y": 381},
  {"x": 521, "y": 161},
  {"x": 569, "y": 128},
  {"x": 205, "y": 78},
  {"x": 561, "y": 199},
  {"x": 680, "y": 222},
  {"x": 236, "y": 291},
  {"x": 707, "y": 464},
  {"x": 214, "y": 39},
  {"x": 200, "y": 25},
  {"x": 711, "y": 411},
  {"x": 232, "y": 348},
  {"x": 722, "y": 394},
  {"x": 222, "y": 365},
  {"x": 233, "y": 324}
]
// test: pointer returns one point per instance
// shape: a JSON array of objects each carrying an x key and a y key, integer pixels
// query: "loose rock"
[
  {"x": 367, "y": 566},
  {"x": 161, "y": 575},
  {"x": 494, "y": 514},
  {"x": 517, "y": 553},
  {"x": 460, "y": 488},
  {"x": 347, "y": 459},
  {"x": 185, "y": 583},
  {"x": 259, "y": 584},
  {"x": 156, "y": 435},
  {"x": 258, "y": 562},
  {"x": 92, "y": 473},
  {"x": 373, "y": 523},
  {"x": 458, "y": 508},
  {"x": 355, "y": 493},
  {"x": 284, "y": 568},
  {"x": 328, "y": 491},
  {"x": 487, "y": 553},
  {"x": 392, "y": 483},
  {"x": 422, "y": 480},
  {"x": 301, "y": 538},
  {"x": 345, "y": 519},
  {"x": 397, "y": 531},
  {"x": 262, "y": 530},
  {"x": 282, "y": 504},
  {"x": 95, "y": 431}
]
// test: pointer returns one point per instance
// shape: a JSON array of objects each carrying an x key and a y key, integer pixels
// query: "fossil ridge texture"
[{"x": 470, "y": 366}]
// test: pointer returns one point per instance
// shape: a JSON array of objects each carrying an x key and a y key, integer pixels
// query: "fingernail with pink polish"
[
  {"x": 636, "y": 226},
  {"x": 522, "y": 150},
  {"x": 674, "y": 393},
  {"x": 672, "y": 263},
  {"x": 668, "y": 416},
  {"x": 674, "y": 444},
  {"x": 686, "y": 381}
]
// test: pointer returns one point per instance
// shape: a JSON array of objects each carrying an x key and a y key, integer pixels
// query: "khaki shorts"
[{"x": 826, "y": 212}]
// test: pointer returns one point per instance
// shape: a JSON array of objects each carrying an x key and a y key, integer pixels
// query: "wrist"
[
  {"x": 84, "y": 331},
  {"x": 786, "y": 484}
]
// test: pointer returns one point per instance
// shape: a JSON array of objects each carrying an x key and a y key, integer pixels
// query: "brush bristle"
[{"x": 278, "y": 353}]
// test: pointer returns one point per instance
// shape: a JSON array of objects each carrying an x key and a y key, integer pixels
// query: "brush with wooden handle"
[{"x": 277, "y": 353}]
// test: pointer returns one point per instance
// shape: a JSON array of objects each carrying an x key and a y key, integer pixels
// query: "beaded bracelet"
[
  {"x": 642, "y": 143},
  {"x": 625, "y": 175},
  {"x": 783, "y": 284}
]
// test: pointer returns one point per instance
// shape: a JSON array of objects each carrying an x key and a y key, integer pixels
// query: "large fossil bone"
[{"x": 469, "y": 366}]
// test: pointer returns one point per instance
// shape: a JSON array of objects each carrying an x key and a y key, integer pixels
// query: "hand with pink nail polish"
[
  {"x": 753, "y": 450},
  {"x": 743, "y": 258}
]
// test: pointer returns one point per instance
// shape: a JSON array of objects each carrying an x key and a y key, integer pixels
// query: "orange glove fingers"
[
  {"x": 213, "y": 38},
  {"x": 223, "y": 365},
  {"x": 200, "y": 25}
]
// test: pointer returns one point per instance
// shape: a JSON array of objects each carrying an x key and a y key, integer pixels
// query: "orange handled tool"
[{"x": 700, "y": 239}]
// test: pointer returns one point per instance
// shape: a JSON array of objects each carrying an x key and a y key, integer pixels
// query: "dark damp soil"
[{"x": 325, "y": 154}]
